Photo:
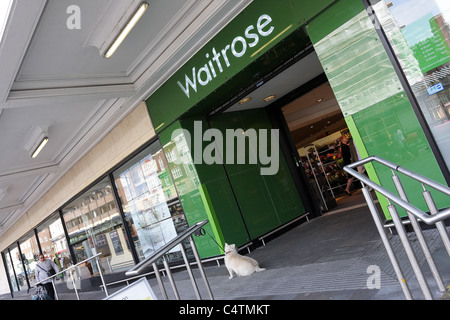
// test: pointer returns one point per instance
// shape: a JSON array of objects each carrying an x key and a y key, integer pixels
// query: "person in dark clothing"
[{"x": 348, "y": 157}]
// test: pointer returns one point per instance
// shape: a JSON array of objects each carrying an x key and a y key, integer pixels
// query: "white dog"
[{"x": 241, "y": 265}]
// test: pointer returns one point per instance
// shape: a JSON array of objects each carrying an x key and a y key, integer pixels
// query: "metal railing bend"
[
  {"x": 433, "y": 217},
  {"x": 160, "y": 253}
]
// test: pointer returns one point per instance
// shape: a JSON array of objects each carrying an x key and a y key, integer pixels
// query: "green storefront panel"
[
  {"x": 266, "y": 201},
  {"x": 252, "y": 33},
  {"x": 213, "y": 177},
  {"x": 307, "y": 9},
  {"x": 242, "y": 203},
  {"x": 371, "y": 97},
  {"x": 193, "y": 196}
]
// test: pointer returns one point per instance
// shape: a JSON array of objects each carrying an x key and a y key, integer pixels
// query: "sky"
[{"x": 408, "y": 11}]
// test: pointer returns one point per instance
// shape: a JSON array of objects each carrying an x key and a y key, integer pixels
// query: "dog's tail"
[{"x": 258, "y": 269}]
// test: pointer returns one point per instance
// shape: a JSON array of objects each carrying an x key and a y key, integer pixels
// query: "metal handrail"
[
  {"x": 414, "y": 214},
  {"x": 428, "y": 219},
  {"x": 70, "y": 274},
  {"x": 137, "y": 269},
  {"x": 160, "y": 253}
]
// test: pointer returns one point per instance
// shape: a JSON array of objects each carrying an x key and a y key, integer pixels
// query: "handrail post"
[
  {"x": 440, "y": 224},
  {"x": 200, "y": 267},
  {"x": 417, "y": 229},
  {"x": 169, "y": 274},
  {"x": 410, "y": 252},
  {"x": 376, "y": 218},
  {"x": 100, "y": 271},
  {"x": 74, "y": 285},
  {"x": 160, "y": 282},
  {"x": 54, "y": 289},
  {"x": 189, "y": 270}
]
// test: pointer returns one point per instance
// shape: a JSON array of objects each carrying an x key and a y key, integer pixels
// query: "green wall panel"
[
  {"x": 307, "y": 9},
  {"x": 190, "y": 191},
  {"x": 214, "y": 179},
  {"x": 199, "y": 69},
  {"x": 266, "y": 201},
  {"x": 391, "y": 131}
]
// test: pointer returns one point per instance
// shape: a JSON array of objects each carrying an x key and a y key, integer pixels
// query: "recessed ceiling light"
[
  {"x": 245, "y": 100},
  {"x": 128, "y": 27},
  {"x": 269, "y": 98}
]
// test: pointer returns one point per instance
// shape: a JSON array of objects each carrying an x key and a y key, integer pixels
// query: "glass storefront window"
[
  {"x": 10, "y": 270},
  {"x": 53, "y": 242},
  {"x": 151, "y": 205},
  {"x": 16, "y": 261},
  {"x": 419, "y": 33},
  {"x": 30, "y": 252},
  {"x": 94, "y": 226}
]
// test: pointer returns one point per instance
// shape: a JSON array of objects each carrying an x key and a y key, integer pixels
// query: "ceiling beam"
[
  {"x": 26, "y": 98},
  {"x": 28, "y": 172},
  {"x": 11, "y": 207},
  {"x": 22, "y": 22}
]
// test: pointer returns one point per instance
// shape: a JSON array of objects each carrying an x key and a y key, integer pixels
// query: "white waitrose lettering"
[{"x": 238, "y": 48}]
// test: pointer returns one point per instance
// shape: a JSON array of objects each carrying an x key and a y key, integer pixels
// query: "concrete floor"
[{"x": 327, "y": 258}]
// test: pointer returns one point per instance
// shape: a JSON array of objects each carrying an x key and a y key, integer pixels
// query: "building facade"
[{"x": 204, "y": 147}]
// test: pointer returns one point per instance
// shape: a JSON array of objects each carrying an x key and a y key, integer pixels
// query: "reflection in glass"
[
  {"x": 152, "y": 209},
  {"x": 94, "y": 226},
  {"x": 10, "y": 270},
  {"x": 53, "y": 243},
  {"x": 372, "y": 98},
  {"x": 18, "y": 268},
  {"x": 420, "y": 35},
  {"x": 30, "y": 252}
]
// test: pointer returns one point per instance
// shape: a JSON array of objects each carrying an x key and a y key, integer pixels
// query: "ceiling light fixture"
[
  {"x": 269, "y": 98},
  {"x": 128, "y": 27},
  {"x": 40, "y": 147},
  {"x": 245, "y": 100}
]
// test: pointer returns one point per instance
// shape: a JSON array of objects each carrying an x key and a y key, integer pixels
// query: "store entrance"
[
  {"x": 317, "y": 127},
  {"x": 301, "y": 103}
]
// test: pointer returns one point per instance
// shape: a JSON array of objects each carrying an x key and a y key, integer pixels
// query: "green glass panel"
[
  {"x": 391, "y": 131},
  {"x": 371, "y": 97},
  {"x": 213, "y": 177},
  {"x": 189, "y": 189},
  {"x": 419, "y": 34}
]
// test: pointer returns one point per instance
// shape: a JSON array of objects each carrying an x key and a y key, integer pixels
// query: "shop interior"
[{"x": 315, "y": 122}]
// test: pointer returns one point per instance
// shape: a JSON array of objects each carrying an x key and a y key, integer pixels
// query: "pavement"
[{"x": 338, "y": 256}]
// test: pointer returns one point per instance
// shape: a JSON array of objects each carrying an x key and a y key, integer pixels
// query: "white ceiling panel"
[{"x": 55, "y": 78}]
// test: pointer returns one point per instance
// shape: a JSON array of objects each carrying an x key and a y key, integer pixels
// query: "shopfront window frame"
[
  {"x": 19, "y": 282},
  {"x": 29, "y": 235},
  {"x": 91, "y": 215},
  {"x": 110, "y": 177},
  {"x": 6, "y": 255},
  {"x": 408, "y": 90}
]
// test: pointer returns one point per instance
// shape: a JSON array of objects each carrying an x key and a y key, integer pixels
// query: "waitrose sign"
[
  {"x": 254, "y": 31},
  {"x": 220, "y": 58}
]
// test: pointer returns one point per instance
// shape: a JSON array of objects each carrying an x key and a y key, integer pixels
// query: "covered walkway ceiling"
[{"x": 55, "y": 81}]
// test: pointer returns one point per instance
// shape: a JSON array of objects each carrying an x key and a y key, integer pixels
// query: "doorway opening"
[
  {"x": 314, "y": 124},
  {"x": 317, "y": 126}
]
